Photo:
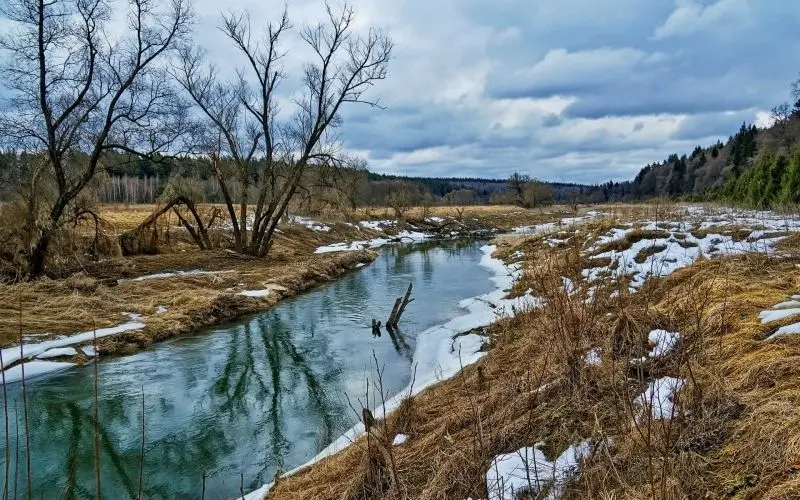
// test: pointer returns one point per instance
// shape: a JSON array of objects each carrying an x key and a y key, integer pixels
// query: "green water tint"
[{"x": 265, "y": 393}]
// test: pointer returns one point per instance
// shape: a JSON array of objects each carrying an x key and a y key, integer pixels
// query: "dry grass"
[
  {"x": 736, "y": 432},
  {"x": 75, "y": 304}
]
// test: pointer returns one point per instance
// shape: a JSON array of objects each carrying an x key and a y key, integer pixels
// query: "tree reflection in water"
[{"x": 253, "y": 397}]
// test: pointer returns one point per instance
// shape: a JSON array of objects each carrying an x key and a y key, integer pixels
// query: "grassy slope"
[{"x": 736, "y": 433}]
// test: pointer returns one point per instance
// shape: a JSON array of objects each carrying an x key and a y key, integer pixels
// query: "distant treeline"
[
  {"x": 138, "y": 180},
  {"x": 756, "y": 167}
]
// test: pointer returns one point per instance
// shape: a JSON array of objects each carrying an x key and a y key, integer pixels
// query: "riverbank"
[
  {"x": 133, "y": 302},
  {"x": 662, "y": 363}
]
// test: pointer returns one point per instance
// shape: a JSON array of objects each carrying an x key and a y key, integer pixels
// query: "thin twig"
[
  {"x": 25, "y": 409},
  {"x": 141, "y": 454},
  {"x": 5, "y": 415},
  {"x": 96, "y": 422}
]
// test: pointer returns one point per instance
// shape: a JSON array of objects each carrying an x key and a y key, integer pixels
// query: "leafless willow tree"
[
  {"x": 81, "y": 86},
  {"x": 243, "y": 138}
]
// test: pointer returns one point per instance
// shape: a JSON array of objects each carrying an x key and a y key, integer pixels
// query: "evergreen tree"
[
  {"x": 790, "y": 183},
  {"x": 676, "y": 179}
]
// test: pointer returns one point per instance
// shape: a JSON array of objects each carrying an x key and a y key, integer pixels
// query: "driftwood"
[{"x": 399, "y": 308}]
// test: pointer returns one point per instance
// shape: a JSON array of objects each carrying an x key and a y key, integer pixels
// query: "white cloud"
[
  {"x": 764, "y": 119},
  {"x": 584, "y": 68},
  {"x": 691, "y": 17},
  {"x": 513, "y": 113}
]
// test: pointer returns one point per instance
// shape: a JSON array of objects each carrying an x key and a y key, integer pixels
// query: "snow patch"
[
  {"x": 309, "y": 223},
  {"x": 176, "y": 274},
  {"x": 34, "y": 369},
  {"x": 399, "y": 439},
  {"x": 775, "y": 315},
  {"x": 57, "y": 352},
  {"x": 377, "y": 225},
  {"x": 792, "y": 329},
  {"x": 32, "y": 350},
  {"x": 663, "y": 342},
  {"x": 593, "y": 357},
  {"x": 527, "y": 470},
  {"x": 410, "y": 236},
  {"x": 255, "y": 293},
  {"x": 660, "y": 397}
]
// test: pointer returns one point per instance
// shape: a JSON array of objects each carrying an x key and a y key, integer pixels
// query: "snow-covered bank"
[
  {"x": 439, "y": 353},
  {"x": 44, "y": 349},
  {"x": 403, "y": 236},
  {"x": 176, "y": 274},
  {"x": 34, "y": 369},
  {"x": 549, "y": 227}
]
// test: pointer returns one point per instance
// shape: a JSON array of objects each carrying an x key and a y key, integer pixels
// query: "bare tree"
[
  {"x": 516, "y": 184},
  {"x": 345, "y": 179},
  {"x": 79, "y": 90},
  {"x": 241, "y": 116},
  {"x": 400, "y": 199},
  {"x": 781, "y": 116}
]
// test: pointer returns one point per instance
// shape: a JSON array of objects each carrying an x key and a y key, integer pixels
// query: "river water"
[{"x": 229, "y": 406}]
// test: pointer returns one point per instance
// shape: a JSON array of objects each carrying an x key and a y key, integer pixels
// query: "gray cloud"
[{"x": 569, "y": 90}]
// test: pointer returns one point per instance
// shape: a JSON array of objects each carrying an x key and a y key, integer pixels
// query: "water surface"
[{"x": 238, "y": 402}]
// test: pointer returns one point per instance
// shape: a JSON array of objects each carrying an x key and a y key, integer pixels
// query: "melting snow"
[
  {"x": 377, "y": 225},
  {"x": 785, "y": 330},
  {"x": 775, "y": 315},
  {"x": 88, "y": 351},
  {"x": 663, "y": 342},
  {"x": 399, "y": 439},
  {"x": 34, "y": 369},
  {"x": 178, "y": 274},
  {"x": 12, "y": 355},
  {"x": 527, "y": 470},
  {"x": 593, "y": 357},
  {"x": 659, "y": 396},
  {"x": 255, "y": 293},
  {"x": 412, "y": 236},
  {"x": 550, "y": 226},
  {"x": 787, "y": 305},
  {"x": 309, "y": 223},
  {"x": 58, "y": 351}
]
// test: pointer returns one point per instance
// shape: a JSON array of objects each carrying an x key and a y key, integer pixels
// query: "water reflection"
[{"x": 252, "y": 398}]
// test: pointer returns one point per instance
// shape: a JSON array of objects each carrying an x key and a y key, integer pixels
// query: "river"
[{"x": 229, "y": 406}]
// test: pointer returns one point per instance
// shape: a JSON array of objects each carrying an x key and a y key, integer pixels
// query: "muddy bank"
[
  {"x": 169, "y": 303},
  {"x": 228, "y": 305}
]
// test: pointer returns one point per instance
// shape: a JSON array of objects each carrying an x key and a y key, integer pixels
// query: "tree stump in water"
[
  {"x": 399, "y": 308},
  {"x": 376, "y": 328}
]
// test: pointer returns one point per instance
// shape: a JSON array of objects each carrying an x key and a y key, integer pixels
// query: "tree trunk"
[
  {"x": 38, "y": 253},
  {"x": 243, "y": 210}
]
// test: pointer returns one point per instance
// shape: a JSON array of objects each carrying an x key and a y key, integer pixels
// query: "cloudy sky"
[{"x": 563, "y": 90}]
